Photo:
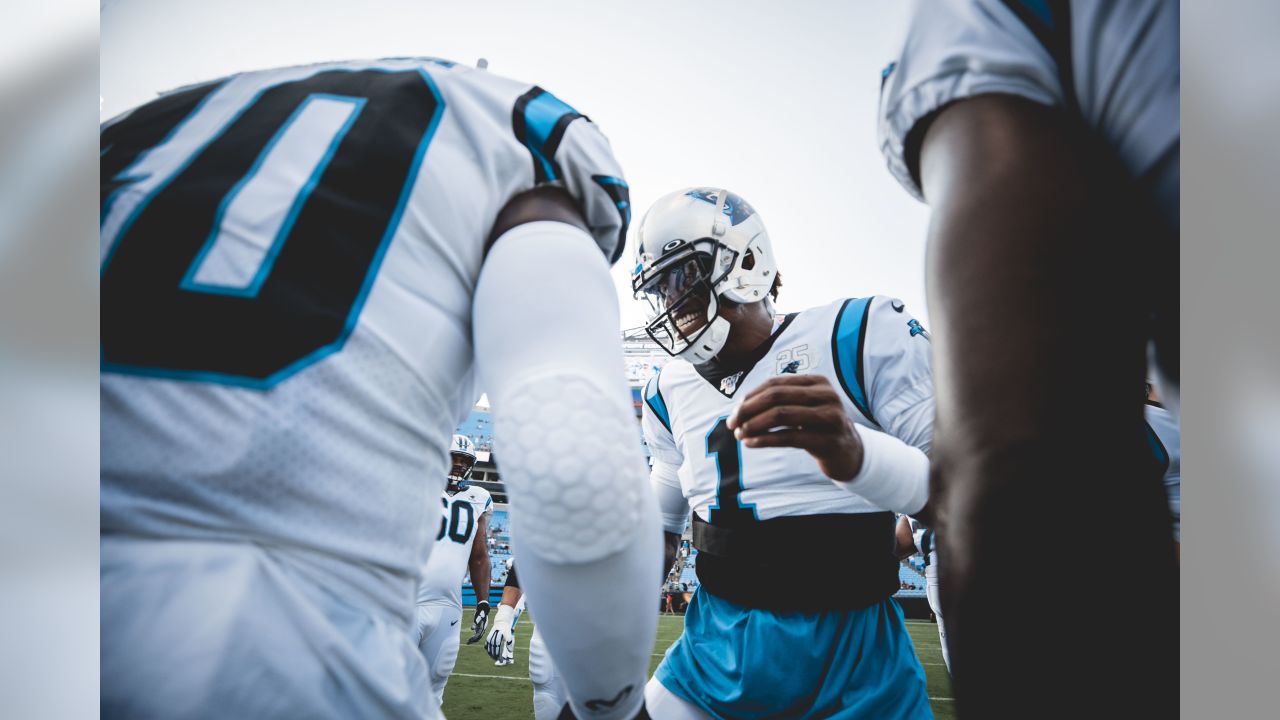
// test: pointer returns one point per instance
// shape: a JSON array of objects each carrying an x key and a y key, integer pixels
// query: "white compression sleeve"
[
  {"x": 584, "y": 523},
  {"x": 672, "y": 505},
  {"x": 894, "y": 475}
]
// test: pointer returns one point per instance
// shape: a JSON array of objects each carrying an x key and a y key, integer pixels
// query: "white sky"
[{"x": 773, "y": 100}]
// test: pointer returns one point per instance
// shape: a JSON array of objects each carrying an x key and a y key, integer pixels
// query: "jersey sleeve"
[
  {"x": 883, "y": 362},
  {"x": 957, "y": 49},
  {"x": 656, "y": 422},
  {"x": 667, "y": 459},
  {"x": 569, "y": 150}
]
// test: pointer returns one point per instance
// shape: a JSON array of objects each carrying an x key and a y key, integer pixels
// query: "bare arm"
[
  {"x": 904, "y": 542},
  {"x": 478, "y": 563},
  {"x": 480, "y": 577},
  {"x": 545, "y": 202},
  {"x": 1034, "y": 291},
  {"x": 511, "y": 595}
]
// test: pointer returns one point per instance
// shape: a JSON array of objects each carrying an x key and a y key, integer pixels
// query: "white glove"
[{"x": 499, "y": 643}]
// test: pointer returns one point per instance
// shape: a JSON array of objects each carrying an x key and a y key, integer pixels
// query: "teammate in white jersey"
[
  {"x": 792, "y": 441},
  {"x": 460, "y": 544},
  {"x": 307, "y": 273},
  {"x": 1165, "y": 438},
  {"x": 1044, "y": 135},
  {"x": 914, "y": 537}
]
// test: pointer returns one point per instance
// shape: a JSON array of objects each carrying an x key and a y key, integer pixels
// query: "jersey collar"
[{"x": 715, "y": 373}]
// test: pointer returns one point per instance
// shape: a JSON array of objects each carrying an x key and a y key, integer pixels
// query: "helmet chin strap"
[{"x": 708, "y": 344}]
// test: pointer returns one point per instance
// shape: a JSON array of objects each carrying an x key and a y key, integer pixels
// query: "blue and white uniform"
[
  {"x": 289, "y": 263},
  {"x": 1113, "y": 66},
  {"x": 440, "y": 589},
  {"x": 1166, "y": 446},
  {"x": 927, "y": 545},
  {"x": 758, "y": 512}
]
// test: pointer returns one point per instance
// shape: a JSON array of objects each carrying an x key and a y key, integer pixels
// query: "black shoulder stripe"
[{"x": 539, "y": 120}]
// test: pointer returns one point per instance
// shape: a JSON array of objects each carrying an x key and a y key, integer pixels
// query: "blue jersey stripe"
[
  {"x": 846, "y": 350},
  {"x": 653, "y": 398},
  {"x": 540, "y": 122}
]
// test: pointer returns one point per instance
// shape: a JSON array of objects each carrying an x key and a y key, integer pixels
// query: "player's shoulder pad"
[
  {"x": 653, "y": 398},
  {"x": 580, "y": 159}
]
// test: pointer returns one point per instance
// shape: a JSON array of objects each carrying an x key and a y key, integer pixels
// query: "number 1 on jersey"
[{"x": 728, "y": 510}]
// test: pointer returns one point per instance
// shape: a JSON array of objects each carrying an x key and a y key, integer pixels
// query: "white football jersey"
[
  {"x": 1113, "y": 64},
  {"x": 442, "y": 575},
  {"x": 870, "y": 349},
  {"x": 924, "y": 539},
  {"x": 288, "y": 263},
  {"x": 1166, "y": 446}
]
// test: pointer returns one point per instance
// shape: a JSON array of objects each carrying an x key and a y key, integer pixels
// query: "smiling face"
[{"x": 679, "y": 299}]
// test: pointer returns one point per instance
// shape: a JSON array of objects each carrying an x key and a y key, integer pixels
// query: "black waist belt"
[{"x": 804, "y": 563}]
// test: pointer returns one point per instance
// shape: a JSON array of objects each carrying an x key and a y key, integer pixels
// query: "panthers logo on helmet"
[{"x": 735, "y": 208}]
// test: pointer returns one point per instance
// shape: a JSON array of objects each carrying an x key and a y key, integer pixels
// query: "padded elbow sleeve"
[{"x": 549, "y": 357}]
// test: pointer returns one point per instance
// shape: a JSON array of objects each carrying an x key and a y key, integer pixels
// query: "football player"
[
  {"x": 307, "y": 275},
  {"x": 459, "y": 545},
  {"x": 1166, "y": 447},
  {"x": 548, "y": 689},
  {"x": 789, "y": 438},
  {"x": 913, "y": 537},
  {"x": 1044, "y": 135}
]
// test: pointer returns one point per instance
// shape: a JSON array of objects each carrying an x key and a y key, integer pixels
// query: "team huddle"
[{"x": 310, "y": 274}]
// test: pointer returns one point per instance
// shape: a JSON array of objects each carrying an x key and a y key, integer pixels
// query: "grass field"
[{"x": 479, "y": 691}]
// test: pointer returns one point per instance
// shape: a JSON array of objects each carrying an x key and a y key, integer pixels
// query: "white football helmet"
[
  {"x": 695, "y": 247},
  {"x": 462, "y": 456}
]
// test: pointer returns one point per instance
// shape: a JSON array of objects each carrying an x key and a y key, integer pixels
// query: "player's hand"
[
  {"x": 479, "y": 622},
  {"x": 499, "y": 643},
  {"x": 801, "y": 411}
]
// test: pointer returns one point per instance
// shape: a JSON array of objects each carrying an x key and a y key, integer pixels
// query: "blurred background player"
[
  {"x": 1166, "y": 449},
  {"x": 749, "y": 427},
  {"x": 913, "y": 537},
  {"x": 548, "y": 689},
  {"x": 1044, "y": 135},
  {"x": 307, "y": 274},
  {"x": 459, "y": 546}
]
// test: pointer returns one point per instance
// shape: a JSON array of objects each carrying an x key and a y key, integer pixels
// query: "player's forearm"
[
  {"x": 511, "y": 595},
  {"x": 481, "y": 577},
  {"x": 1038, "y": 359}
]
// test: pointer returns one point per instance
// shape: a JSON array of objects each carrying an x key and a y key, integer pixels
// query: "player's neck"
[{"x": 750, "y": 326}]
